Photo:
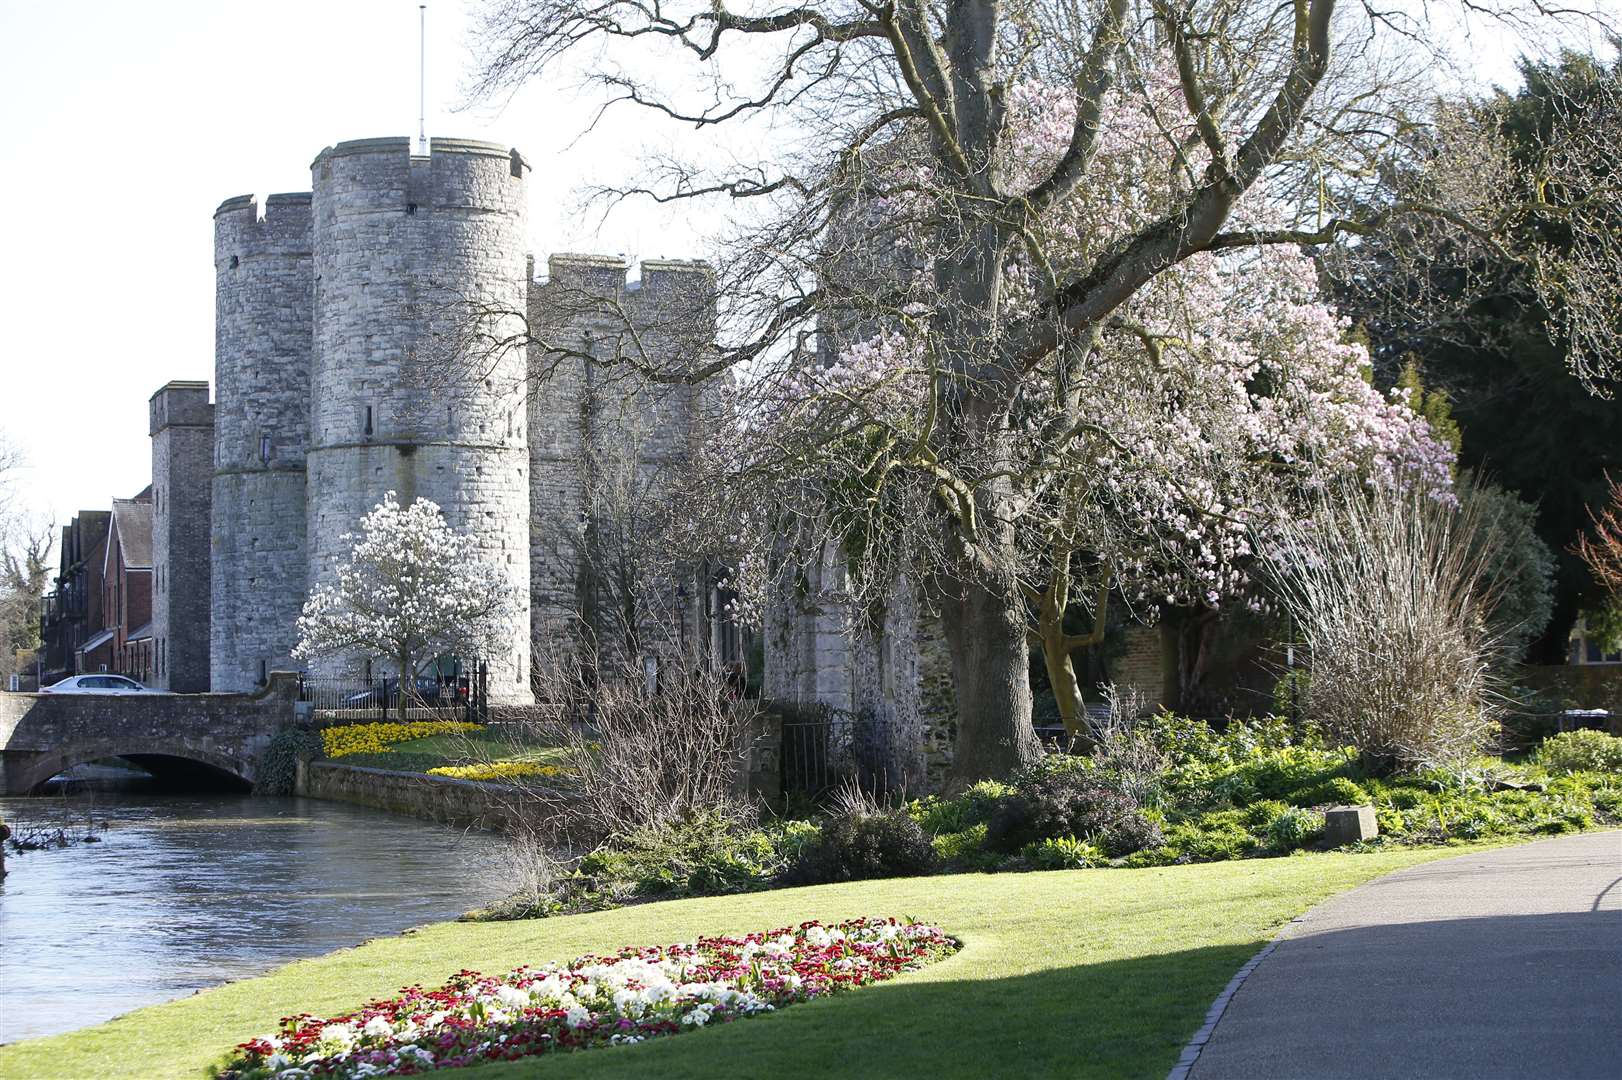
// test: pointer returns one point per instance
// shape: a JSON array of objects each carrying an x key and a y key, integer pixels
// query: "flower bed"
[
  {"x": 347, "y": 739},
  {"x": 496, "y": 770},
  {"x": 633, "y": 995}
]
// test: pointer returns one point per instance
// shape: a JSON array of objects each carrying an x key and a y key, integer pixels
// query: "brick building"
[
  {"x": 71, "y": 614},
  {"x": 126, "y": 590}
]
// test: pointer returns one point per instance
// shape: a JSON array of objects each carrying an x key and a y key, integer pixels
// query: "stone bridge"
[{"x": 217, "y": 736}]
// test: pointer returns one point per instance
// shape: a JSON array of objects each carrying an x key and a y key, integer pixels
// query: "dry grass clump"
[{"x": 1389, "y": 594}]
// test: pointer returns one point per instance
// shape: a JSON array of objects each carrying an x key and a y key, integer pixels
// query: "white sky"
[{"x": 123, "y": 125}]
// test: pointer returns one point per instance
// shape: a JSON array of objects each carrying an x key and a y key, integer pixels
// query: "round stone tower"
[
  {"x": 264, "y": 291},
  {"x": 406, "y": 247}
]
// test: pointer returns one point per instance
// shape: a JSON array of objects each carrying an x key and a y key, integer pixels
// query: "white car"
[{"x": 95, "y": 684}]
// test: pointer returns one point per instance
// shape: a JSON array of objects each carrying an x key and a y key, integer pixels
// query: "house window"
[{"x": 264, "y": 447}]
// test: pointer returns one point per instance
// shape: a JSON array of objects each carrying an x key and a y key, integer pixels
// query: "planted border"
[{"x": 633, "y": 995}]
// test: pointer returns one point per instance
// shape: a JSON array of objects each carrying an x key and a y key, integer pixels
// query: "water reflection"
[{"x": 188, "y": 891}]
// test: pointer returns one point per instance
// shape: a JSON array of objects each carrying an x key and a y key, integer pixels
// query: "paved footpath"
[{"x": 1502, "y": 963}]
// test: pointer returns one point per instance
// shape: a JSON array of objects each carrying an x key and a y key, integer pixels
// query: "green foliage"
[
  {"x": 1602, "y": 622},
  {"x": 965, "y": 849},
  {"x": 1294, "y": 828},
  {"x": 1059, "y": 798},
  {"x": 938, "y": 815},
  {"x": 1337, "y": 790},
  {"x": 861, "y": 844},
  {"x": 1579, "y": 751},
  {"x": 707, "y": 855},
  {"x": 1063, "y": 853},
  {"x": 277, "y": 768},
  {"x": 1433, "y": 405},
  {"x": 1518, "y": 564},
  {"x": 1212, "y": 837},
  {"x": 1259, "y": 815},
  {"x": 1523, "y": 415}
]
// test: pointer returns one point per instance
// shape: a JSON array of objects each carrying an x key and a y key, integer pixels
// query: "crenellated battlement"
[
  {"x": 606, "y": 274},
  {"x": 240, "y": 231}
]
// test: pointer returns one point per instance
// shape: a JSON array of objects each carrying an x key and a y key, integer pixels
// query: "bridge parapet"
[{"x": 43, "y": 734}]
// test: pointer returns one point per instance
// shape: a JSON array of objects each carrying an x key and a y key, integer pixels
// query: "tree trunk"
[{"x": 986, "y": 632}]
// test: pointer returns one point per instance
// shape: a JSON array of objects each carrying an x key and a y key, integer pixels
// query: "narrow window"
[
  {"x": 264, "y": 675},
  {"x": 264, "y": 447},
  {"x": 235, "y": 262},
  {"x": 368, "y": 420}
]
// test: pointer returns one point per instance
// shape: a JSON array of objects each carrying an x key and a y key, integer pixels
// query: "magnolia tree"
[
  {"x": 412, "y": 589},
  {"x": 1013, "y": 296}
]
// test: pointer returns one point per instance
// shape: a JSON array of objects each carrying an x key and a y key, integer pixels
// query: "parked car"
[
  {"x": 429, "y": 689},
  {"x": 95, "y": 684}
]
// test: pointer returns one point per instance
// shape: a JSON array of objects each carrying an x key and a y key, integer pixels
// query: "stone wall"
[
  {"x": 465, "y": 803},
  {"x": 42, "y": 734},
  {"x": 605, "y": 442},
  {"x": 182, "y": 428}
]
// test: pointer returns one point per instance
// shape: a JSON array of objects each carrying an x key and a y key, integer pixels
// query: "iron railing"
[
  {"x": 463, "y": 696},
  {"x": 824, "y": 749}
]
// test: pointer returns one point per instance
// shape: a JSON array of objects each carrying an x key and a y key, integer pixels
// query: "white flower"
[
  {"x": 513, "y": 998},
  {"x": 378, "y": 1027},
  {"x": 577, "y": 1016}
]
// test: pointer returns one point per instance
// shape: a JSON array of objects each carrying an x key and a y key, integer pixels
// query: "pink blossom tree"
[
  {"x": 411, "y": 590},
  {"x": 997, "y": 300}
]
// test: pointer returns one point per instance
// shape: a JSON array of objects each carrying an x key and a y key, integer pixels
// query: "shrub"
[
  {"x": 966, "y": 849},
  {"x": 1293, "y": 828},
  {"x": 1337, "y": 789},
  {"x": 640, "y": 757},
  {"x": 858, "y": 844},
  {"x": 939, "y": 815},
  {"x": 1392, "y": 592},
  {"x": 1063, "y": 853},
  {"x": 1584, "y": 750},
  {"x": 277, "y": 767},
  {"x": 1159, "y": 855},
  {"x": 1052, "y": 802},
  {"x": 702, "y": 856},
  {"x": 1260, "y": 815},
  {"x": 1211, "y": 837}
]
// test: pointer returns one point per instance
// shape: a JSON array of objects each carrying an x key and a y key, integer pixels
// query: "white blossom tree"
[{"x": 412, "y": 590}]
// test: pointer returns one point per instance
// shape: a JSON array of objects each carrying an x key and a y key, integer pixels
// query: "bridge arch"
[{"x": 160, "y": 757}]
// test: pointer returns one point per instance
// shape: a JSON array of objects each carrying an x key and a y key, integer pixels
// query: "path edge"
[{"x": 1191, "y": 1051}]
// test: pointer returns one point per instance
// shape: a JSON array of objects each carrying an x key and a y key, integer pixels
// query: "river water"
[{"x": 188, "y": 891}]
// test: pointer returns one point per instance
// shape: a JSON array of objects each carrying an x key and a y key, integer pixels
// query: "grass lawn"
[{"x": 1083, "y": 973}]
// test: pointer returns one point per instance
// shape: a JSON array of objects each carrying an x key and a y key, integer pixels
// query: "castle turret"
[
  {"x": 264, "y": 289},
  {"x": 182, "y": 428},
  {"x": 406, "y": 249}
]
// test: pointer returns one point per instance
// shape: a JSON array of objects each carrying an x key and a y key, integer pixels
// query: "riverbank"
[{"x": 1093, "y": 973}]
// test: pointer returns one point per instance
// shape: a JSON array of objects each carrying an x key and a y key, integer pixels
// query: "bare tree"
[
  {"x": 25, "y": 568},
  {"x": 1603, "y": 551},
  {"x": 1019, "y": 193}
]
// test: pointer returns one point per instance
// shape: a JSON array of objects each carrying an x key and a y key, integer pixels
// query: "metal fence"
[
  {"x": 462, "y": 696},
  {"x": 824, "y": 749}
]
